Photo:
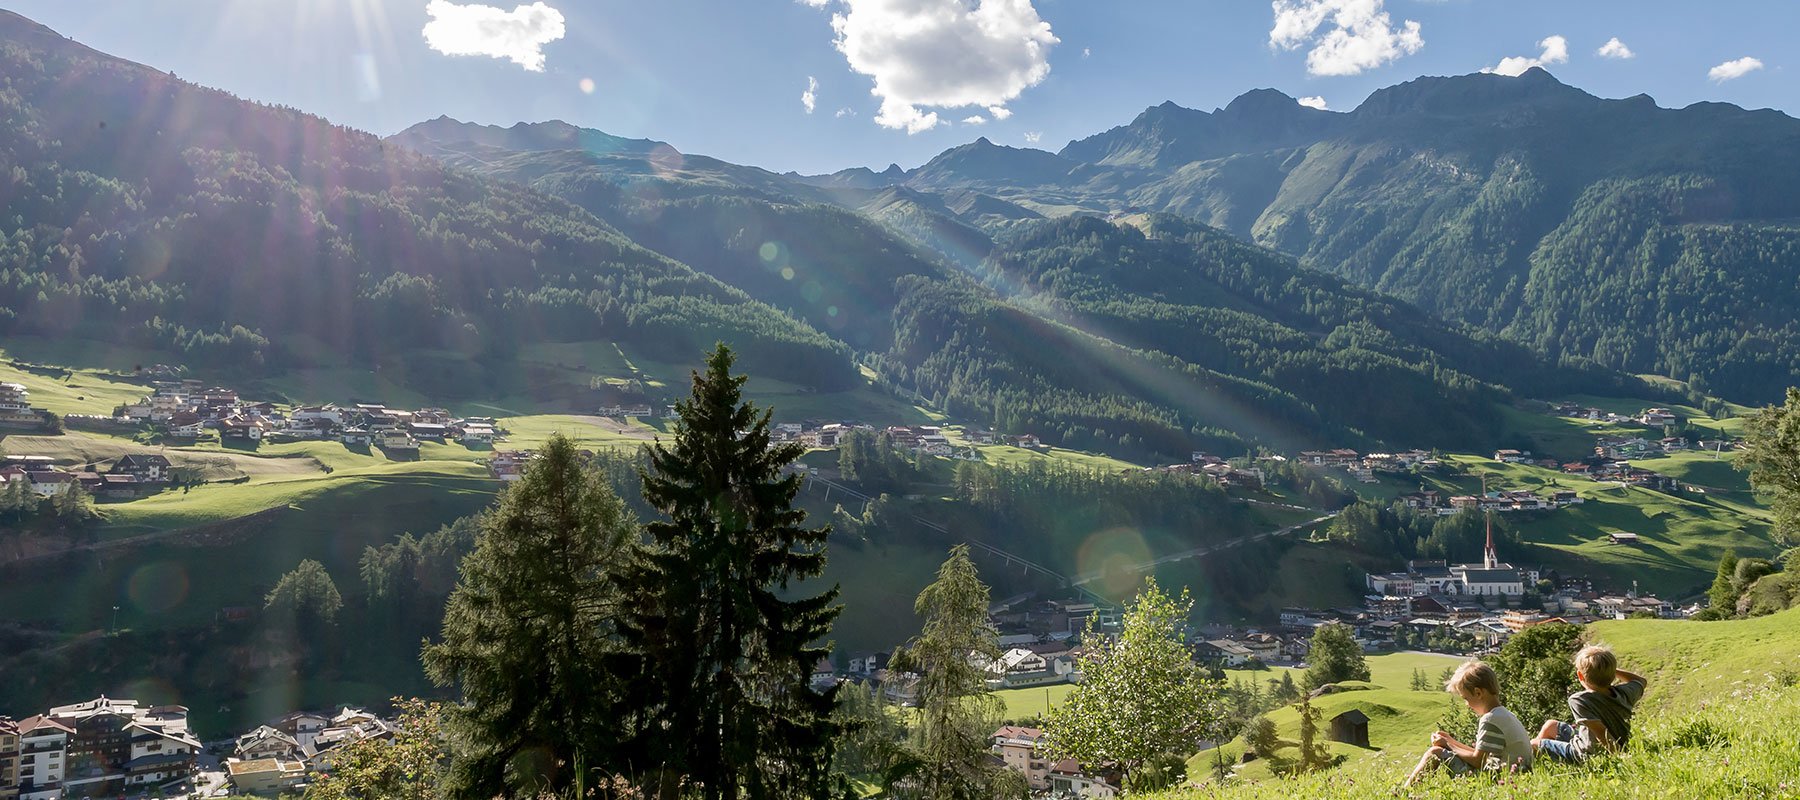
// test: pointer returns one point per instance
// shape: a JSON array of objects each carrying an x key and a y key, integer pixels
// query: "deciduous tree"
[{"x": 1141, "y": 695}]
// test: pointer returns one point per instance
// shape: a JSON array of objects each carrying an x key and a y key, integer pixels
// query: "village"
[{"x": 108, "y": 747}]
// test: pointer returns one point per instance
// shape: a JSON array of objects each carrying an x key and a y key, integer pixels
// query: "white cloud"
[
  {"x": 845, "y": 112},
  {"x": 1734, "y": 69},
  {"x": 809, "y": 99},
  {"x": 1087, "y": 51},
  {"x": 941, "y": 54},
  {"x": 478, "y": 30},
  {"x": 1032, "y": 137},
  {"x": 975, "y": 120},
  {"x": 1615, "y": 49},
  {"x": 1556, "y": 51},
  {"x": 1358, "y": 34},
  {"x": 1312, "y": 102},
  {"x": 1000, "y": 112}
]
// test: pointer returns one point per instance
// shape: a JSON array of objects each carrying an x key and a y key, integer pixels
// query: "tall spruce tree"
[
  {"x": 529, "y": 640},
  {"x": 727, "y": 658},
  {"x": 956, "y": 712}
]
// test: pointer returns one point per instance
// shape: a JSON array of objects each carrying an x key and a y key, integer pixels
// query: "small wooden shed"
[{"x": 1351, "y": 727}]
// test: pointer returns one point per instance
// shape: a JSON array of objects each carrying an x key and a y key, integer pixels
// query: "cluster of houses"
[
  {"x": 187, "y": 409},
  {"x": 108, "y": 747},
  {"x": 127, "y": 477},
  {"x": 280, "y": 756},
  {"x": 1364, "y": 467},
  {"x": 1220, "y": 471},
  {"x": 16, "y": 412},
  {"x": 101, "y": 748},
  {"x": 1649, "y": 417},
  {"x": 1503, "y": 501}
]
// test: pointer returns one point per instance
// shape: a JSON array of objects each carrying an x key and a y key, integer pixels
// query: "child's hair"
[
  {"x": 1473, "y": 675},
  {"x": 1597, "y": 664}
]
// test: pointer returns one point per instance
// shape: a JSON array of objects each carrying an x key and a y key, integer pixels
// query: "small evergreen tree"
[
  {"x": 1420, "y": 682},
  {"x": 956, "y": 712},
  {"x": 1286, "y": 691},
  {"x": 1261, "y": 737},
  {"x": 729, "y": 645},
  {"x": 1314, "y": 755},
  {"x": 528, "y": 634},
  {"x": 1724, "y": 592}
]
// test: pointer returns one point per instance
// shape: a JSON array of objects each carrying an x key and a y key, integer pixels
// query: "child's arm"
[
  {"x": 1468, "y": 753},
  {"x": 1621, "y": 676}
]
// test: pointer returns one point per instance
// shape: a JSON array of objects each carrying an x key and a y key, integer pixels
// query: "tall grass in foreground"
[{"x": 1744, "y": 745}]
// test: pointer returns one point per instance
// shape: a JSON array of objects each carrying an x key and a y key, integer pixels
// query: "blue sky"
[{"x": 726, "y": 77}]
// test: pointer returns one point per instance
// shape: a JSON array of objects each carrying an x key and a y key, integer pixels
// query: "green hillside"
[{"x": 1711, "y": 726}]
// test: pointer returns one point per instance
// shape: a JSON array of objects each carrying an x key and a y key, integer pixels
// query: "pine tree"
[
  {"x": 1286, "y": 691},
  {"x": 956, "y": 712},
  {"x": 305, "y": 596},
  {"x": 1420, "y": 682},
  {"x": 1313, "y": 753},
  {"x": 1724, "y": 592},
  {"x": 1260, "y": 736},
  {"x": 727, "y": 658},
  {"x": 528, "y": 637}
]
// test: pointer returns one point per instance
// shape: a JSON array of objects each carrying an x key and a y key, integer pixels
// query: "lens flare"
[
  {"x": 586, "y": 85},
  {"x": 158, "y": 587},
  {"x": 1113, "y": 555}
]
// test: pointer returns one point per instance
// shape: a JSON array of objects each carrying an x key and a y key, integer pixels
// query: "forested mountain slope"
[
  {"x": 1640, "y": 238},
  {"x": 141, "y": 209},
  {"x": 1080, "y": 329}
]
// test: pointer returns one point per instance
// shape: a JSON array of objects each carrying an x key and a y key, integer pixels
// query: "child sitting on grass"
[
  {"x": 1500, "y": 739},
  {"x": 1602, "y": 709}
]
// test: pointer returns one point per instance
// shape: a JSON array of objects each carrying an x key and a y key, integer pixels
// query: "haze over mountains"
[{"x": 1576, "y": 238}]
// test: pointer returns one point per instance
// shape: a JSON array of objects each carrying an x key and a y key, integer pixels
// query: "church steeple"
[{"x": 1489, "y": 559}]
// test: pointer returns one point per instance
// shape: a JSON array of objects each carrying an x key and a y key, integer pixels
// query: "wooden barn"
[{"x": 1351, "y": 727}]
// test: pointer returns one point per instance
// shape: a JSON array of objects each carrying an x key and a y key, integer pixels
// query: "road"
[{"x": 1199, "y": 552}]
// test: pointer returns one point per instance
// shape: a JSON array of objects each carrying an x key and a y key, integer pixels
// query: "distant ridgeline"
[{"x": 146, "y": 211}]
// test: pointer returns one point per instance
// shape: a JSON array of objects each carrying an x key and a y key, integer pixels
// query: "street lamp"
[{"x": 115, "y": 620}]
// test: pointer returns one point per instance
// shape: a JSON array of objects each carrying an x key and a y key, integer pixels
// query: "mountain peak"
[{"x": 1475, "y": 93}]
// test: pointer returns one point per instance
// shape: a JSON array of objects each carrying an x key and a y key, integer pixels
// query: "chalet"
[
  {"x": 1295, "y": 617},
  {"x": 428, "y": 430},
  {"x": 183, "y": 425},
  {"x": 1511, "y": 456},
  {"x": 1329, "y": 458},
  {"x": 1019, "y": 667},
  {"x": 145, "y": 467},
  {"x": 824, "y": 675},
  {"x": 1068, "y": 779},
  {"x": 1565, "y": 498},
  {"x": 120, "y": 487},
  {"x": 356, "y": 436},
  {"x": 1621, "y": 537},
  {"x": 1029, "y": 441},
  {"x": 1657, "y": 416},
  {"x": 477, "y": 433},
  {"x": 243, "y": 428},
  {"x": 325, "y": 413},
  {"x": 382, "y": 420},
  {"x": 399, "y": 440},
  {"x": 50, "y": 483},
  {"x": 267, "y": 742},
  {"x": 1018, "y": 748},
  {"x": 867, "y": 664},
  {"x": 1223, "y": 652}
]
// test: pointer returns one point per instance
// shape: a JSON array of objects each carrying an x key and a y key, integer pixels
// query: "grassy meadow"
[{"x": 1716, "y": 723}]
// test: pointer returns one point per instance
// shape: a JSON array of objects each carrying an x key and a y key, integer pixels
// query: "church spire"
[{"x": 1489, "y": 559}]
